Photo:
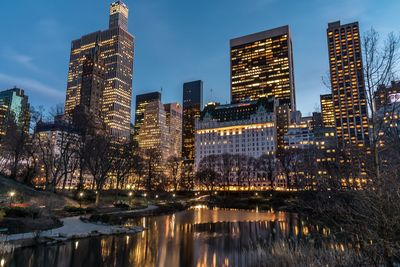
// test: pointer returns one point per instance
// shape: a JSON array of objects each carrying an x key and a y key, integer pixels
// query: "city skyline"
[{"x": 43, "y": 77}]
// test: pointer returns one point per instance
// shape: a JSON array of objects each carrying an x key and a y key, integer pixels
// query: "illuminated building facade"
[
  {"x": 347, "y": 82},
  {"x": 116, "y": 51},
  {"x": 14, "y": 106},
  {"x": 161, "y": 132},
  {"x": 283, "y": 119},
  {"x": 386, "y": 95},
  {"x": 173, "y": 113},
  {"x": 58, "y": 137},
  {"x": 299, "y": 136},
  {"x": 262, "y": 66},
  {"x": 247, "y": 128},
  {"x": 327, "y": 110},
  {"x": 93, "y": 81},
  {"x": 192, "y": 105},
  {"x": 154, "y": 132},
  {"x": 141, "y": 103}
]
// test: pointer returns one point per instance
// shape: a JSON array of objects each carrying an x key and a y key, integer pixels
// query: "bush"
[
  {"x": 18, "y": 212},
  {"x": 2, "y": 215},
  {"x": 121, "y": 205},
  {"x": 74, "y": 209}
]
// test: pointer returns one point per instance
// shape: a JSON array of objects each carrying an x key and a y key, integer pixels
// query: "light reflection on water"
[{"x": 195, "y": 237}]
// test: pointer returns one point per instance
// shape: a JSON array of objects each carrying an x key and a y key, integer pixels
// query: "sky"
[{"x": 175, "y": 41}]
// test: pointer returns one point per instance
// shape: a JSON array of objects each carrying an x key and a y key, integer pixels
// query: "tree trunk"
[{"x": 97, "y": 198}]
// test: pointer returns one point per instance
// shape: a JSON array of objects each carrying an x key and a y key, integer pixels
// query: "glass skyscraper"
[
  {"x": 14, "y": 105},
  {"x": 262, "y": 66},
  {"x": 116, "y": 47},
  {"x": 192, "y": 105},
  {"x": 141, "y": 103}
]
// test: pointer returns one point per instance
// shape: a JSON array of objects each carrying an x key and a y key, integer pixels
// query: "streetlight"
[
  {"x": 11, "y": 194},
  {"x": 130, "y": 198},
  {"x": 80, "y": 199},
  {"x": 145, "y": 196}
]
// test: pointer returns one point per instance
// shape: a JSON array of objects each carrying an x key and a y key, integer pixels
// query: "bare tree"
[
  {"x": 226, "y": 163},
  {"x": 380, "y": 62},
  {"x": 265, "y": 167},
  {"x": 99, "y": 160},
  {"x": 152, "y": 159},
  {"x": 14, "y": 145},
  {"x": 56, "y": 154},
  {"x": 207, "y": 174},
  {"x": 174, "y": 165},
  {"x": 124, "y": 162}
]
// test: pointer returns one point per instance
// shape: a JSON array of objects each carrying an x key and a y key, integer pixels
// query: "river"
[{"x": 195, "y": 237}]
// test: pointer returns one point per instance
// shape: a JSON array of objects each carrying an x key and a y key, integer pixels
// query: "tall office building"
[
  {"x": 173, "y": 113},
  {"x": 347, "y": 82},
  {"x": 141, "y": 103},
  {"x": 14, "y": 106},
  {"x": 154, "y": 132},
  {"x": 192, "y": 105},
  {"x": 327, "y": 110},
  {"x": 262, "y": 66},
  {"x": 93, "y": 79},
  {"x": 116, "y": 51}
]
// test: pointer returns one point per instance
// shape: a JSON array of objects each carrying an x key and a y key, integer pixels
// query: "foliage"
[{"x": 18, "y": 212}]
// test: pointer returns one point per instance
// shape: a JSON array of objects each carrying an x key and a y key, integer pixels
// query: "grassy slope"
[{"x": 32, "y": 197}]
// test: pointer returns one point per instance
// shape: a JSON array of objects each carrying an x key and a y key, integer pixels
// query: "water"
[{"x": 195, "y": 237}]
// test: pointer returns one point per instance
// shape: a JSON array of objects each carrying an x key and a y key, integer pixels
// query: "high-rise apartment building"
[
  {"x": 14, "y": 106},
  {"x": 327, "y": 110},
  {"x": 116, "y": 46},
  {"x": 192, "y": 105},
  {"x": 262, "y": 66},
  {"x": 347, "y": 82},
  {"x": 173, "y": 113},
  {"x": 141, "y": 103}
]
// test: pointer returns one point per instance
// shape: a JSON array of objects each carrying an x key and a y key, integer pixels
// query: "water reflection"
[{"x": 196, "y": 237}]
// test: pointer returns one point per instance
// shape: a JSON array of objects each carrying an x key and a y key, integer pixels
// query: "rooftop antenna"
[{"x": 211, "y": 93}]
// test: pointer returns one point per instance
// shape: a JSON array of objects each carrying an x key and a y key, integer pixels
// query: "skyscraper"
[
  {"x": 173, "y": 113},
  {"x": 347, "y": 82},
  {"x": 93, "y": 79},
  {"x": 116, "y": 51},
  {"x": 141, "y": 103},
  {"x": 192, "y": 105},
  {"x": 14, "y": 106},
  {"x": 327, "y": 110},
  {"x": 262, "y": 66},
  {"x": 154, "y": 132}
]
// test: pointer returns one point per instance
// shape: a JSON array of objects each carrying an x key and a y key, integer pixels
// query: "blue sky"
[{"x": 176, "y": 41}]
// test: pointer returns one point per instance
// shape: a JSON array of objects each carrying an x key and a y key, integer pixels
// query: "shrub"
[
  {"x": 18, "y": 212},
  {"x": 121, "y": 205},
  {"x": 74, "y": 209},
  {"x": 2, "y": 215}
]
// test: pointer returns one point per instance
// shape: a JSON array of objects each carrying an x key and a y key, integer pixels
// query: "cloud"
[
  {"x": 24, "y": 60},
  {"x": 31, "y": 85}
]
